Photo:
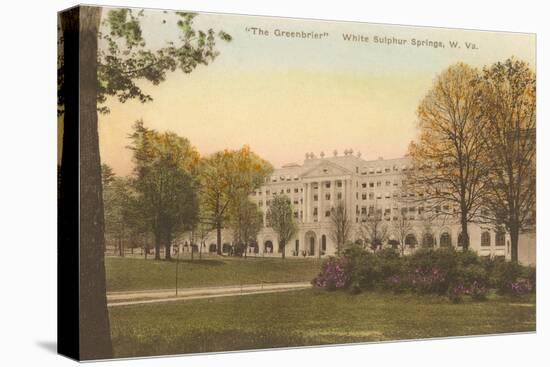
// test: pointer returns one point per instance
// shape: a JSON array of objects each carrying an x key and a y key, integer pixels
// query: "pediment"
[{"x": 327, "y": 169}]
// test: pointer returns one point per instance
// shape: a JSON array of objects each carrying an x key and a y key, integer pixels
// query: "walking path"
[{"x": 126, "y": 298}]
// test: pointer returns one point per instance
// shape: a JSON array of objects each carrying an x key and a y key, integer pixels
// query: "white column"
[{"x": 306, "y": 203}]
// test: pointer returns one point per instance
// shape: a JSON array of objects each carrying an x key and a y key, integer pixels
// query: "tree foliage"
[
  {"x": 280, "y": 217},
  {"x": 449, "y": 161},
  {"x": 507, "y": 94},
  {"x": 226, "y": 177},
  {"x": 246, "y": 222},
  {"x": 164, "y": 180}
]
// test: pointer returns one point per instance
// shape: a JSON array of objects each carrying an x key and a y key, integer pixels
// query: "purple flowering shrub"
[
  {"x": 520, "y": 287},
  {"x": 429, "y": 280},
  {"x": 333, "y": 275},
  {"x": 427, "y": 271}
]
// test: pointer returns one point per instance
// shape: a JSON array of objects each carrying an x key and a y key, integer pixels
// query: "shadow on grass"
[{"x": 206, "y": 341}]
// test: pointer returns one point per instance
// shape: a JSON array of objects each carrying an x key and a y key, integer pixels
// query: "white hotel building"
[{"x": 314, "y": 188}]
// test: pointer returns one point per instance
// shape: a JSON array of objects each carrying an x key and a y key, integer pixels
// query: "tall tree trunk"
[
  {"x": 95, "y": 337},
  {"x": 219, "y": 237},
  {"x": 514, "y": 239},
  {"x": 465, "y": 237},
  {"x": 158, "y": 241},
  {"x": 282, "y": 250},
  {"x": 167, "y": 247}
]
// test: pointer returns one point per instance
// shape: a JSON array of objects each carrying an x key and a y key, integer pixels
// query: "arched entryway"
[
  {"x": 410, "y": 240},
  {"x": 268, "y": 247},
  {"x": 445, "y": 240},
  {"x": 428, "y": 240},
  {"x": 212, "y": 247},
  {"x": 310, "y": 241}
]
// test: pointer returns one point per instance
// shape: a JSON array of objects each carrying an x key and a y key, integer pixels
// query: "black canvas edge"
[{"x": 68, "y": 240}]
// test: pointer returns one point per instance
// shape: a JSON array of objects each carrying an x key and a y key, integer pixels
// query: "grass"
[
  {"x": 307, "y": 317},
  {"x": 127, "y": 273}
]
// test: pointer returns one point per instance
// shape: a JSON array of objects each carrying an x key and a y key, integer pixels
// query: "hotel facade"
[{"x": 364, "y": 186}]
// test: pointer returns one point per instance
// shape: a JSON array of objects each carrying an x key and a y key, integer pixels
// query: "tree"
[
  {"x": 111, "y": 71},
  {"x": 78, "y": 90},
  {"x": 449, "y": 171},
  {"x": 509, "y": 114},
  {"x": 117, "y": 198},
  {"x": 226, "y": 176},
  {"x": 280, "y": 217},
  {"x": 340, "y": 226},
  {"x": 201, "y": 232},
  {"x": 246, "y": 222},
  {"x": 164, "y": 166},
  {"x": 372, "y": 230},
  {"x": 401, "y": 228}
]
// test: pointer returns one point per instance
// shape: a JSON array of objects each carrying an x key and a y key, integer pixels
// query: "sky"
[{"x": 286, "y": 96}]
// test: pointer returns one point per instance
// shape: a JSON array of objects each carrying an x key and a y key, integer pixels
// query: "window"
[
  {"x": 339, "y": 196},
  {"x": 327, "y": 185},
  {"x": 327, "y": 196},
  {"x": 364, "y": 196},
  {"x": 485, "y": 239},
  {"x": 371, "y": 196},
  {"x": 371, "y": 184},
  {"x": 296, "y": 190},
  {"x": 388, "y": 183},
  {"x": 339, "y": 184},
  {"x": 288, "y": 191},
  {"x": 327, "y": 213},
  {"x": 315, "y": 197},
  {"x": 295, "y": 202},
  {"x": 363, "y": 210},
  {"x": 364, "y": 185},
  {"x": 267, "y": 192},
  {"x": 378, "y": 184},
  {"x": 314, "y": 211},
  {"x": 499, "y": 238},
  {"x": 296, "y": 215}
]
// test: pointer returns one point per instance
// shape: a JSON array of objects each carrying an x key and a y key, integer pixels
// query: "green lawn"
[
  {"x": 138, "y": 274},
  {"x": 308, "y": 317}
]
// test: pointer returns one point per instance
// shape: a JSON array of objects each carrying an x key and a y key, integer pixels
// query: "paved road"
[{"x": 115, "y": 299}]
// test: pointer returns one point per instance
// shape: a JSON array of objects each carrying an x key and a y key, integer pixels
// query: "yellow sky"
[{"x": 286, "y": 97}]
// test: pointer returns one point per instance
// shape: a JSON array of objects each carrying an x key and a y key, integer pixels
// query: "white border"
[{"x": 28, "y": 205}]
